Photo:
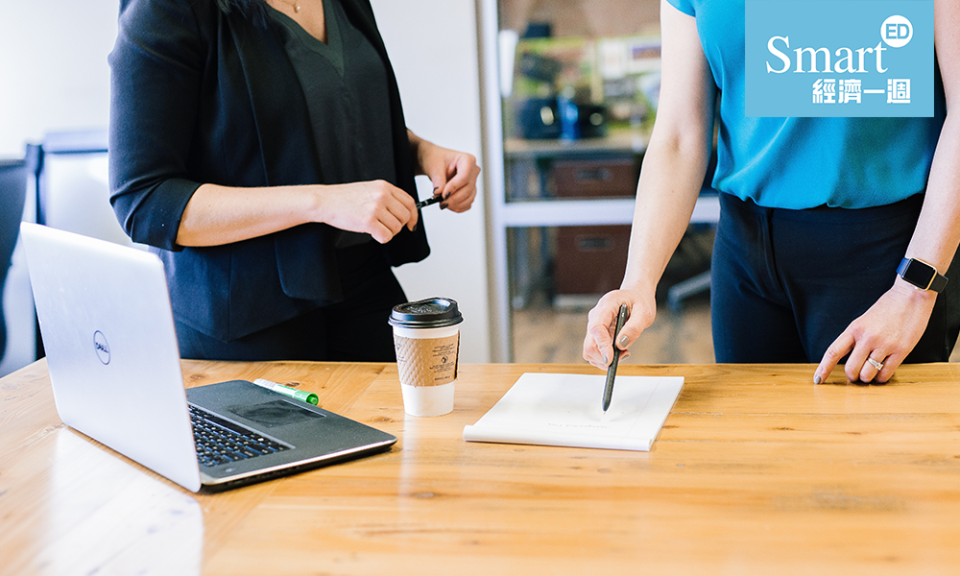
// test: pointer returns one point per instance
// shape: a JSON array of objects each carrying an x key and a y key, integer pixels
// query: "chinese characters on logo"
[
  {"x": 898, "y": 91},
  {"x": 831, "y": 91}
]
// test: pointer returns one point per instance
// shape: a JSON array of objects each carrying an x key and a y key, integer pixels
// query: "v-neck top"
[{"x": 345, "y": 86}]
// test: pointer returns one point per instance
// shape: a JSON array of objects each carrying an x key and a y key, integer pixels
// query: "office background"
[
  {"x": 53, "y": 61},
  {"x": 55, "y": 78}
]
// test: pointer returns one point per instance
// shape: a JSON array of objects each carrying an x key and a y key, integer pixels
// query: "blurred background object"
[
  {"x": 579, "y": 82},
  {"x": 13, "y": 193}
]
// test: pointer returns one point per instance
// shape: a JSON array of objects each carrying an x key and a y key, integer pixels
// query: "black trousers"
[
  {"x": 353, "y": 330},
  {"x": 786, "y": 283}
]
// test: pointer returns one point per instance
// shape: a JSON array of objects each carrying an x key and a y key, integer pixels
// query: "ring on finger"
[{"x": 875, "y": 364}]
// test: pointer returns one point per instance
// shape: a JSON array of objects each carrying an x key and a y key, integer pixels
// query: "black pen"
[
  {"x": 431, "y": 200},
  {"x": 612, "y": 370}
]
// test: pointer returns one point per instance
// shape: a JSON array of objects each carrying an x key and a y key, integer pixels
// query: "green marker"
[{"x": 308, "y": 397}]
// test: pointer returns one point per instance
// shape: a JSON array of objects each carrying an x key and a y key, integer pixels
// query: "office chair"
[{"x": 13, "y": 192}]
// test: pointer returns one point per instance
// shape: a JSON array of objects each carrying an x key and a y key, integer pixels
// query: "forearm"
[
  {"x": 218, "y": 215},
  {"x": 670, "y": 182},
  {"x": 938, "y": 229},
  {"x": 676, "y": 159},
  {"x": 937, "y": 234},
  {"x": 417, "y": 148}
]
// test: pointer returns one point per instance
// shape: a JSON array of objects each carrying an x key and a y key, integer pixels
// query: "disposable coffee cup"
[{"x": 427, "y": 339}]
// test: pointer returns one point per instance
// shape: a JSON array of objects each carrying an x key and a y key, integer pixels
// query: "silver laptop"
[{"x": 111, "y": 349}]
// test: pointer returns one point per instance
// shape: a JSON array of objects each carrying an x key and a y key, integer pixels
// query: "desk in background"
[{"x": 756, "y": 471}]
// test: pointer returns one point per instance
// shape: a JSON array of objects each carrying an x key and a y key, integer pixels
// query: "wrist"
[
  {"x": 913, "y": 293},
  {"x": 921, "y": 275},
  {"x": 638, "y": 287},
  {"x": 317, "y": 206}
]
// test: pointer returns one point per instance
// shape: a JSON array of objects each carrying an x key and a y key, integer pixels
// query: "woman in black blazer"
[{"x": 259, "y": 147}]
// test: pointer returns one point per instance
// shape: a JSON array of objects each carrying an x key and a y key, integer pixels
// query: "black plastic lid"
[{"x": 429, "y": 313}]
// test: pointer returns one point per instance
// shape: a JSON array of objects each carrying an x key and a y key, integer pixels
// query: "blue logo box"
[{"x": 839, "y": 58}]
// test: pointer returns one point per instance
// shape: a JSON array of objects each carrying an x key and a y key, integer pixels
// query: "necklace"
[{"x": 295, "y": 4}]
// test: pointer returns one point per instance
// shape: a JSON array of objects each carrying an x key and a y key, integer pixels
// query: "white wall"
[
  {"x": 53, "y": 68},
  {"x": 433, "y": 48},
  {"x": 54, "y": 76}
]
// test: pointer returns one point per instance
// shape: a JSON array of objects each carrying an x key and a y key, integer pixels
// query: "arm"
[
  {"x": 220, "y": 214},
  {"x": 670, "y": 181},
  {"x": 889, "y": 330},
  {"x": 454, "y": 174}
]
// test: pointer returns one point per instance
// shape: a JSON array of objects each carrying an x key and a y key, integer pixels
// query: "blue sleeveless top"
[{"x": 802, "y": 163}]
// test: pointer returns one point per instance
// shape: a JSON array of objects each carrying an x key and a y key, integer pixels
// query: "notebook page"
[{"x": 565, "y": 410}]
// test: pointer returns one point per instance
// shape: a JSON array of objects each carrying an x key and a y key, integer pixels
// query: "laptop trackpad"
[{"x": 273, "y": 413}]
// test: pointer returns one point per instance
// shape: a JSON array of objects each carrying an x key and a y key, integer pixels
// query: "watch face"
[{"x": 919, "y": 273}]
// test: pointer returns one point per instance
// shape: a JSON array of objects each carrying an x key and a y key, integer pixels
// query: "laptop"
[{"x": 111, "y": 348}]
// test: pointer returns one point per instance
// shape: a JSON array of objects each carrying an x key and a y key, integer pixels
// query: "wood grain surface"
[{"x": 756, "y": 471}]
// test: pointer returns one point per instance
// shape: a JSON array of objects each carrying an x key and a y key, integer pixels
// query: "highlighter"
[{"x": 308, "y": 397}]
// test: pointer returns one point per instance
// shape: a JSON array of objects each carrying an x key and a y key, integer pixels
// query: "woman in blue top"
[{"x": 817, "y": 214}]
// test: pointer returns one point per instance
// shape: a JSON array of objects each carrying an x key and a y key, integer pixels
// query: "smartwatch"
[{"x": 922, "y": 275}]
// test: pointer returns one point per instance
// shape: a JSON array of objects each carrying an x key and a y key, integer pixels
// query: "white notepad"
[{"x": 565, "y": 410}]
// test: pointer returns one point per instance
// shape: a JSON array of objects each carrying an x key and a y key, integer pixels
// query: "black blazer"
[{"x": 199, "y": 96}]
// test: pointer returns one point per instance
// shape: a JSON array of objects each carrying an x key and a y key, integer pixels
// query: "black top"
[
  {"x": 345, "y": 87},
  {"x": 201, "y": 95}
]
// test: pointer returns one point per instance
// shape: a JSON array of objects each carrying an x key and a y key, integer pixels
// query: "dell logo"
[{"x": 101, "y": 346}]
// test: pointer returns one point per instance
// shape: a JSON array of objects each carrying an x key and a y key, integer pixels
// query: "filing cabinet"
[
  {"x": 590, "y": 260},
  {"x": 596, "y": 178}
]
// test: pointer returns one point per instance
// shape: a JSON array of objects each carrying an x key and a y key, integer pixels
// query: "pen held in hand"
[
  {"x": 612, "y": 370},
  {"x": 431, "y": 200}
]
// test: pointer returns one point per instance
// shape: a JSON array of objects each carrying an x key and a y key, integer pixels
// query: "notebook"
[
  {"x": 566, "y": 410},
  {"x": 114, "y": 364}
]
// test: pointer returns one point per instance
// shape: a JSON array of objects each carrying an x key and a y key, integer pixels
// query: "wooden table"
[{"x": 757, "y": 471}]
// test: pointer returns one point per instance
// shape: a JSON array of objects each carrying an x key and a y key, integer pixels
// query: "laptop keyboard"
[{"x": 219, "y": 441}]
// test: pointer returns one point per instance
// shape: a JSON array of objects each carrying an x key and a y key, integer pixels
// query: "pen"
[
  {"x": 308, "y": 397},
  {"x": 612, "y": 370},
  {"x": 431, "y": 200}
]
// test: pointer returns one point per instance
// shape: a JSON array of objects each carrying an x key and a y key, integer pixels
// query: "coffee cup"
[{"x": 427, "y": 340}]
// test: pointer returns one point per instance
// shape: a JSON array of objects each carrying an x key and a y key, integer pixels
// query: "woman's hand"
[
  {"x": 454, "y": 174},
  {"x": 602, "y": 321},
  {"x": 376, "y": 207},
  {"x": 884, "y": 334},
  {"x": 890, "y": 329}
]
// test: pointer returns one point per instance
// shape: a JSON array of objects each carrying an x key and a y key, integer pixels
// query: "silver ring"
[{"x": 875, "y": 364}]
